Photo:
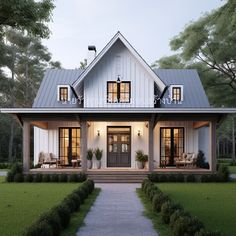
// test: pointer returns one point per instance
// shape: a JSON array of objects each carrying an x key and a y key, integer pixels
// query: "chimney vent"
[{"x": 91, "y": 53}]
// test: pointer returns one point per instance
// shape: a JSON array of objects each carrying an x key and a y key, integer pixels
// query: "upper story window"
[
  {"x": 63, "y": 93},
  {"x": 118, "y": 92},
  {"x": 177, "y": 93}
]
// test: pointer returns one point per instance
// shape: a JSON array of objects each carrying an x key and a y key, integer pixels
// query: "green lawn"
[
  {"x": 213, "y": 203},
  {"x": 22, "y": 203}
]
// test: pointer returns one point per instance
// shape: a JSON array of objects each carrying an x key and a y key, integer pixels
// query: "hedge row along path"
[{"x": 117, "y": 211}]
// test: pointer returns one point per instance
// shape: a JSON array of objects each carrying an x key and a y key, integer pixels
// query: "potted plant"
[
  {"x": 89, "y": 158},
  {"x": 141, "y": 159},
  {"x": 98, "y": 155}
]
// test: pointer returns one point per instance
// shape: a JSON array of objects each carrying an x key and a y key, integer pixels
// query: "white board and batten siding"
[
  {"x": 48, "y": 140},
  {"x": 118, "y": 61}
]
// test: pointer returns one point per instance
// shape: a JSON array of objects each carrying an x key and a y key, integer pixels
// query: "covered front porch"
[{"x": 163, "y": 137}]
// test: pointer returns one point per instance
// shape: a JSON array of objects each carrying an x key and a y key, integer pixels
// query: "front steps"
[{"x": 117, "y": 177}]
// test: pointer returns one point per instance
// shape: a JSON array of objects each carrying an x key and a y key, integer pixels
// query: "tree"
[
  {"x": 83, "y": 64},
  {"x": 29, "y": 15},
  {"x": 211, "y": 40},
  {"x": 170, "y": 62}
]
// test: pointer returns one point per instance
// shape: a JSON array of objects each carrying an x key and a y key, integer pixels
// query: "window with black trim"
[
  {"x": 63, "y": 94},
  {"x": 176, "y": 93},
  {"x": 118, "y": 92}
]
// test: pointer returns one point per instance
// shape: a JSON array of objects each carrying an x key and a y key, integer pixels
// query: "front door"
[
  {"x": 172, "y": 145},
  {"x": 69, "y": 145},
  {"x": 118, "y": 146}
]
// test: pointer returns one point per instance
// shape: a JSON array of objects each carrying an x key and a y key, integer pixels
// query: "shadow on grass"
[{"x": 162, "y": 229}]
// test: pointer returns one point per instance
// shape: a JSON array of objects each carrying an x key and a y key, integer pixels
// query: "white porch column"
[
  {"x": 83, "y": 145},
  {"x": 150, "y": 146},
  {"x": 26, "y": 146},
  {"x": 212, "y": 146}
]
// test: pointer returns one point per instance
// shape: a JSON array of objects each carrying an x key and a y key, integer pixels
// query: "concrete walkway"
[
  {"x": 117, "y": 211},
  {"x": 233, "y": 176},
  {"x": 3, "y": 173}
]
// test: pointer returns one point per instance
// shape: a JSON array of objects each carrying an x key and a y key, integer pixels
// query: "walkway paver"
[{"x": 117, "y": 211}]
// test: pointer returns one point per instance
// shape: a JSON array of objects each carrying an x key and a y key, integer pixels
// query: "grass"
[
  {"x": 22, "y": 203},
  {"x": 213, "y": 203},
  {"x": 77, "y": 219},
  {"x": 162, "y": 229}
]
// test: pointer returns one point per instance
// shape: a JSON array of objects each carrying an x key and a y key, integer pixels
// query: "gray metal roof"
[
  {"x": 47, "y": 94},
  {"x": 194, "y": 93}
]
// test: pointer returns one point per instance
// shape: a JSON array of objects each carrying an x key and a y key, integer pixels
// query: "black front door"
[
  {"x": 118, "y": 147},
  {"x": 69, "y": 145},
  {"x": 172, "y": 145}
]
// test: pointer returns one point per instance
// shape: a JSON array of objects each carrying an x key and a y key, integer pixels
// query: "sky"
[{"x": 148, "y": 25}]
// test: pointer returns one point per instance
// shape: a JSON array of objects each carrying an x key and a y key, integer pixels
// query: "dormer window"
[
  {"x": 176, "y": 93},
  {"x": 118, "y": 92},
  {"x": 63, "y": 93}
]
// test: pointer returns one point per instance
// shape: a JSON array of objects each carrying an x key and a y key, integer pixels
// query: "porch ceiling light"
[{"x": 98, "y": 132}]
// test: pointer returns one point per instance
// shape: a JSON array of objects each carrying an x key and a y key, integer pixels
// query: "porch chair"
[
  {"x": 47, "y": 159},
  {"x": 181, "y": 161}
]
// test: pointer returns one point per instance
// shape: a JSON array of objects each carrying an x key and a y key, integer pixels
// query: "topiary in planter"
[
  {"x": 46, "y": 178},
  {"x": 29, "y": 178},
  {"x": 40, "y": 229},
  {"x": 19, "y": 177},
  {"x": 54, "y": 178}
]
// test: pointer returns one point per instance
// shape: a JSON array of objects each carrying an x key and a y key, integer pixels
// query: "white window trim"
[
  {"x": 58, "y": 91},
  {"x": 177, "y": 86}
]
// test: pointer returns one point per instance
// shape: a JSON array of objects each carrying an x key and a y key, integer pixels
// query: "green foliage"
[
  {"x": 29, "y": 15},
  {"x": 42, "y": 228},
  {"x": 73, "y": 178},
  {"x": 223, "y": 173},
  {"x": 62, "y": 178},
  {"x": 90, "y": 154},
  {"x": 98, "y": 154},
  {"x": 46, "y": 178},
  {"x": 29, "y": 178},
  {"x": 167, "y": 209},
  {"x": 18, "y": 177},
  {"x": 201, "y": 163},
  {"x": 158, "y": 200},
  {"x": 38, "y": 178},
  {"x": 64, "y": 214},
  {"x": 190, "y": 178}
]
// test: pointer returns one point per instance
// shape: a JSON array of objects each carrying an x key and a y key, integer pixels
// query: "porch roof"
[{"x": 119, "y": 110}]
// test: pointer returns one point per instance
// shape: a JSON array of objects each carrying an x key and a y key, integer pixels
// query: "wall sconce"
[
  {"x": 98, "y": 132},
  {"x": 118, "y": 79},
  {"x": 139, "y": 132}
]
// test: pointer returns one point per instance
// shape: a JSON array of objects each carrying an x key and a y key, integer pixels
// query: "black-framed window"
[
  {"x": 118, "y": 92},
  {"x": 63, "y": 94},
  {"x": 176, "y": 93}
]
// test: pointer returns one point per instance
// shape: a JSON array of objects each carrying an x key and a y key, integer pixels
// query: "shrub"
[
  {"x": 201, "y": 163},
  {"x": 40, "y": 229},
  {"x": 81, "y": 193},
  {"x": 54, "y": 178},
  {"x": 172, "y": 178},
  {"x": 204, "y": 178},
  {"x": 175, "y": 216},
  {"x": 19, "y": 177},
  {"x": 233, "y": 163},
  {"x": 64, "y": 214},
  {"x": 204, "y": 232},
  {"x": 90, "y": 184},
  {"x": 144, "y": 183},
  {"x": 153, "y": 177},
  {"x": 191, "y": 178},
  {"x": 82, "y": 177},
  {"x": 163, "y": 178},
  {"x": 73, "y": 178},
  {"x": 75, "y": 197},
  {"x": 38, "y": 178},
  {"x": 29, "y": 178},
  {"x": 63, "y": 178},
  {"x": 46, "y": 178},
  {"x": 167, "y": 209},
  {"x": 159, "y": 199},
  {"x": 153, "y": 191},
  {"x": 17, "y": 168},
  {"x": 223, "y": 173},
  {"x": 4, "y": 165},
  {"x": 53, "y": 219},
  {"x": 180, "y": 178},
  {"x": 10, "y": 176},
  {"x": 70, "y": 204}
]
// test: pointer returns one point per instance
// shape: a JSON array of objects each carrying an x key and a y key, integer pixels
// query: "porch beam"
[
  {"x": 40, "y": 124},
  {"x": 26, "y": 146},
  {"x": 212, "y": 146},
  {"x": 150, "y": 145},
  {"x": 199, "y": 124},
  {"x": 83, "y": 141}
]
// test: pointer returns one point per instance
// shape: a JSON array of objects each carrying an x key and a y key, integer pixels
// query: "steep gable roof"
[{"x": 119, "y": 36}]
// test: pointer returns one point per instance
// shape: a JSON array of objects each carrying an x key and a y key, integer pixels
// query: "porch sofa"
[
  {"x": 187, "y": 160},
  {"x": 47, "y": 160}
]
